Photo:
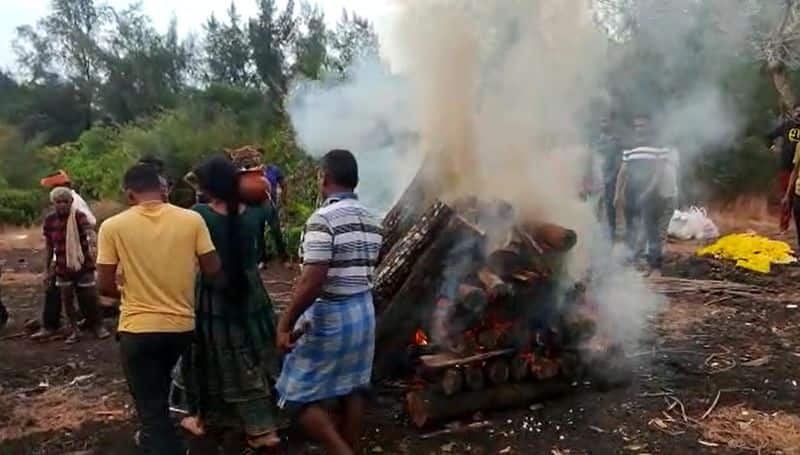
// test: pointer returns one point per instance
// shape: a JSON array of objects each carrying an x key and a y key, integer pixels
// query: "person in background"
[
  {"x": 70, "y": 260},
  {"x": 609, "y": 150},
  {"x": 158, "y": 246},
  {"x": 277, "y": 185},
  {"x": 332, "y": 304},
  {"x": 648, "y": 180},
  {"x": 230, "y": 369},
  {"x": 3, "y": 310},
  {"x": 158, "y": 164},
  {"x": 51, "y": 312},
  {"x": 792, "y": 195},
  {"x": 784, "y": 139}
]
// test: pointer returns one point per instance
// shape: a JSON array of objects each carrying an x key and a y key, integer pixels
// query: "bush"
[{"x": 21, "y": 207}]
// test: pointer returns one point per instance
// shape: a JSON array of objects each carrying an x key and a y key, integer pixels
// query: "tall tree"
[
  {"x": 311, "y": 43},
  {"x": 65, "y": 42},
  {"x": 271, "y": 33},
  {"x": 144, "y": 70},
  {"x": 353, "y": 38},
  {"x": 227, "y": 51}
]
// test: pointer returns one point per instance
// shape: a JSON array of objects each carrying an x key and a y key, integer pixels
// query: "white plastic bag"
[
  {"x": 679, "y": 225},
  {"x": 692, "y": 224}
]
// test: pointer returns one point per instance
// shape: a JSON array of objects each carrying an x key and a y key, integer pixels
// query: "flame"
[{"x": 420, "y": 338}]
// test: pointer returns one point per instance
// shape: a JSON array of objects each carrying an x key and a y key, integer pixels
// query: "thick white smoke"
[{"x": 498, "y": 95}]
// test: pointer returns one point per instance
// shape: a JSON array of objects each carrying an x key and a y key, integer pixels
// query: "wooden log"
[
  {"x": 413, "y": 305},
  {"x": 498, "y": 371},
  {"x": 473, "y": 377},
  {"x": 552, "y": 237},
  {"x": 448, "y": 360},
  {"x": 496, "y": 288},
  {"x": 492, "y": 339},
  {"x": 543, "y": 368},
  {"x": 417, "y": 197},
  {"x": 463, "y": 346},
  {"x": 472, "y": 297},
  {"x": 428, "y": 406},
  {"x": 396, "y": 266},
  {"x": 452, "y": 382},
  {"x": 520, "y": 368}
]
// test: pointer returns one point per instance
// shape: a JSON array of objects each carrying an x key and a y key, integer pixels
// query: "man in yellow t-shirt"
[{"x": 158, "y": 248}]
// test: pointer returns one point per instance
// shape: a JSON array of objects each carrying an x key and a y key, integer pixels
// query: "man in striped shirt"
[
  {"x": 647, "y": 187},
  {"x": 332, "y": 306}
]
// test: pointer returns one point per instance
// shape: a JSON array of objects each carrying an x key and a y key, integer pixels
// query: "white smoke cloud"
[{"x": 499, "y": 94}]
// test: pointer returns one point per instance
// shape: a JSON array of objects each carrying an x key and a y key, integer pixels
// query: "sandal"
[{"x": 73, "y": 338}]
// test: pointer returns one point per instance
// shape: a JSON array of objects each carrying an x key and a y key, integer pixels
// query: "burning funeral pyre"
[{"x": 474, "y": 306}]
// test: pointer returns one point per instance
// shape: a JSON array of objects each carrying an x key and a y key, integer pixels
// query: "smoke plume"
[{"x": 500, "y": 96}]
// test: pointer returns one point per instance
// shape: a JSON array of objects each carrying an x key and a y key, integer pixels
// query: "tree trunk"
[
  {"x": 427, "y": 406},
  {"x": 396, "y": 266},
  {"x": 783, "y": 85}
]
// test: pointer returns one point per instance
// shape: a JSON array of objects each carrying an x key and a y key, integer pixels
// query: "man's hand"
[
  {"x": 283, "y": 341},
  {"x": 49, "y": 275}
]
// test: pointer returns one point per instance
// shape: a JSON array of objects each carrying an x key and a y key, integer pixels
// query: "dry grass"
[{"x": 742, "y": 428}]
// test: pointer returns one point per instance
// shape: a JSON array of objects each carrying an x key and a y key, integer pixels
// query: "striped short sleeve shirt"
[{"x": 347, "y": 237}]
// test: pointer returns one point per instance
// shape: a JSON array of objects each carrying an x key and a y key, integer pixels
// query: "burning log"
[
  {"x": 427, "y": 406},
  {"x": 473, "y": 377},
  {"x": 448, "y": 360},
  {"x": 543, "y": 368},
  {"x": 520, "y": 368},
  {"x": 552, "y": 237},
  {"x": 414, "y": 301},
  {"x": 452, "y": 382},
  {"x": 498, "y": 371},
  {"x": 396, "y": 266},
  {"x": 495, "y": 287}
]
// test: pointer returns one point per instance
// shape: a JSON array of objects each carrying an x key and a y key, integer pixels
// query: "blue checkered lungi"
[{"x": 334, "y": 356}]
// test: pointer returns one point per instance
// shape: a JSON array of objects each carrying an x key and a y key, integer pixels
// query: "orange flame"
[{"x": 420, "y": 338}]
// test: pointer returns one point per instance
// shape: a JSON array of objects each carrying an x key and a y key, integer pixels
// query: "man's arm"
[
  {"x": 48, "y": 259},
  {"x": 107, "y": 281},
  {"x": 307, "y": 290},
  {"x": 210, "y": 265}
]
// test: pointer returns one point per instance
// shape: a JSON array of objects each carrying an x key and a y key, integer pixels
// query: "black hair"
[
  {"x": 154, "y": 161},
  {"x": 218, "y": 178},
  {"x": 141, "y": 178},
  {"x": 341, "y": 167}
]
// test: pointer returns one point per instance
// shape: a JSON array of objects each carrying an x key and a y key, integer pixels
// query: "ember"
[{"x": 420, "y": 339}]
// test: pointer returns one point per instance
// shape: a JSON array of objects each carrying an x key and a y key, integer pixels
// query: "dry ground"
[{"x": 738, "y": 357}]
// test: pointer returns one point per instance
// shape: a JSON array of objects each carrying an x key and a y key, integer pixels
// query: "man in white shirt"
[{"x": 648, "y": 180}]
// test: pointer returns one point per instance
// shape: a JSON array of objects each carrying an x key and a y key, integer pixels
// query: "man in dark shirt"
[
  {"x": 68, "y": 276},
  {"x": 609, "y": 150},
  {"x": 788, "y": 133}
]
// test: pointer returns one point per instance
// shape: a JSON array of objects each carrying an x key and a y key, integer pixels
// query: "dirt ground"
[{"x": 710, "y": 371}]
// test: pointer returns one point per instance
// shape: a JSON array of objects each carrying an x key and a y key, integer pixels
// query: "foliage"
[{"x": 21, "y": 207}]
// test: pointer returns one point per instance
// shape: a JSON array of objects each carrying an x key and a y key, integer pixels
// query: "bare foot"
[
  {"x": 193, "y": 425},
  {"x": 267, "y": 441}
]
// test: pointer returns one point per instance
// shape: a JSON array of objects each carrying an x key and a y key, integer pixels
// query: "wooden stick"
[{"x": 449, "y": 360}]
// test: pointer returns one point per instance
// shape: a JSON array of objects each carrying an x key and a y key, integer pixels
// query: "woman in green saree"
[{"x": 226, "y": 378}]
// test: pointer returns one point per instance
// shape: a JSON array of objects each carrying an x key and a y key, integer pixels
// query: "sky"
[{"x": 191, "y": 15}]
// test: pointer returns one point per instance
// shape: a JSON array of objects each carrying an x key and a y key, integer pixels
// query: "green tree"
[
  {"x": 227, "y": 51},
  {"x": 353, "y": 38},
  {"x": 271, "y": 33},
  {"x": 311, "y": 42},
  {"x": 66, "y": 42},
  {"x": 145, "y": 71}
]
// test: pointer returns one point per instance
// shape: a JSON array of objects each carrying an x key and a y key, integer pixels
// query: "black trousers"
[
  {"x": 87, "y": 304},
  {"x": 796, "y": 209},
  {"x": 147, "y": 361}
]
